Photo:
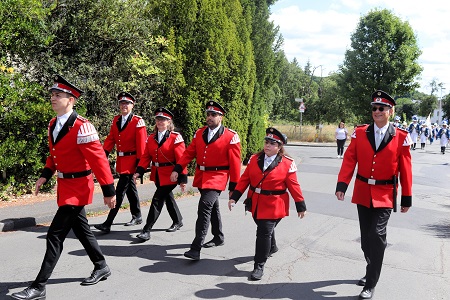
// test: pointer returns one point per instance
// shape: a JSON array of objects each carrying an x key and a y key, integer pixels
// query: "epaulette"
[
  {"x": 288, "y": 157},
  {"x": 402, "y": 129},
  {"x": 82, "y": 118}
]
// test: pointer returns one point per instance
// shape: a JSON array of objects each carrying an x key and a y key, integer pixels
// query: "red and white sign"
[{"x": 302, "y": 107}]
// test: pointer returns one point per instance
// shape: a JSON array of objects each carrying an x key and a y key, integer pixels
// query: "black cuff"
[
  {"x": 141, "y": 171},
  {"x": 47, "y": 174},
  {"x": 300, "y": 206},
  {"x": 108, "y": 190},
  {"x": 236, "y": 195},
  {"x": 177, "y": 169},
  {"x": 341, "y": 187},
  {"x": 182, "y": 178},
  {"x": 232, "y": 186},
  {"x": 406, "y": 201}
]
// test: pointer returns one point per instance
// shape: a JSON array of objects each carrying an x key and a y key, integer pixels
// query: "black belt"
[
  {"x": 74, "y": 175},
  {"x": 373, "y": 181},
  {"x": 203, "y": 168},
  {"x": 166, "y": 164},
  {"x": 267, "y": 192},
  {"x": 126, "y": 153}
]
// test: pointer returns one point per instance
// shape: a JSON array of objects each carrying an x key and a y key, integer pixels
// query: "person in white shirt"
[{"x": 341, "y": 136}]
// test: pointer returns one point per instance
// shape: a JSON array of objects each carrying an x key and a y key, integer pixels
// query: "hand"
[
  {"x": 183, "y": 187},
  {"x": 404, "y": 209},
  {"x": 136, "y": 176},
  {"x": 231, "y": 204},
  {"x": 340, "y": 195},
  {"x": 174, "y": 177},
  {"x": 301, "y": 214},
  {"x": 110, "y": 201},
  {"x": 39, "y": 183}
]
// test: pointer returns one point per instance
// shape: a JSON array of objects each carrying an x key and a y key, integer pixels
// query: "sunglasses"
[{"x": 380, "y": 108}]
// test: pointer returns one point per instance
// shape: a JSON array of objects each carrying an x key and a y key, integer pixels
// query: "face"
[
  {"x": 381, "y": 118},
  {"x": 62, "y": 102},
  {"x": 213, "y": 119},
  {"x": 125, "y": 107},
  {"x": 341, "y": 125},
  {"x": 271, "y": 147},
  {"x": 162, "y": 123}
]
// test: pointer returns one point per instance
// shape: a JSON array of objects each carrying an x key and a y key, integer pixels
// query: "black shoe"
[
  {"x": 96, "y": 276},
  {"x": 366, "y": 293},
  {"x": 175, "y": 227},
  {"x": 212, "y": 243},
  {"x": 257, "y": 272},
  {"x": 362, "y": 281},
  {"x": 273, "y": 250},
  {"x": 192, "y": 254},
  {"x": 103, "y": 227},
  {"x": 144, "y": 235},
  {"x": 29, "y": 293},
  {"x": 134, "y": 221}
]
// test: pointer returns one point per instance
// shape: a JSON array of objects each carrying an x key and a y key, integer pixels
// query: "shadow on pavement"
[
  {"x": 290, "y": 290},
  {"x": 440, "y": 230}
]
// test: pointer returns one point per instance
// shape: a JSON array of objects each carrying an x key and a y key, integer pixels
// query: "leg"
[
  {"x": 120, "y": 194},
  {"x": 172, "y": 208},
  {"x": 205, "y": 206},
  {"x": 376, "y": 240},
  {"x": 216, "y": 222},
  {"x": 156, "y": 207},
  {"x": 62, "y": 223},
  {"x": 133, "y": 197},
  {"x": 264, "y": 236},
  {"x": 83, "y": 232}
]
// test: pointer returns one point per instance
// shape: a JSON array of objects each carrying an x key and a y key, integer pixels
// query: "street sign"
[
  {"x": 298, "y": 99},
  {"x": 302, "y": 107}
]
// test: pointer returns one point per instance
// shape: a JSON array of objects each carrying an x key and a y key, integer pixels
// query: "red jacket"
[
  {"x": 280, "y": 175},
  {"x": 391, "y": 158},
  {"x": 77, "y": 149},
  {"x": 222, "y": 152},
  {"x": 129, "y": 139},
  {"x": 167, "y": 153}
]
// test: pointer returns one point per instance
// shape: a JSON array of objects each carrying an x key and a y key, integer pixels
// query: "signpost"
[{"x": 301, "y": 109}]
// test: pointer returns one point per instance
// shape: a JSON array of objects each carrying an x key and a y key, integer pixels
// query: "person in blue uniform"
[{"x": 414, "y": 130}]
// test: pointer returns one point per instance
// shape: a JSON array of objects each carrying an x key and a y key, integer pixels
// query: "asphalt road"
[{"x": 319, "y": 256}]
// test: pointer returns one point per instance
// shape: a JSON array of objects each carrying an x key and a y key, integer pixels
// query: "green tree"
[
  {"x": 383, "y": 55},
  {"x": 427, "y": 105}
]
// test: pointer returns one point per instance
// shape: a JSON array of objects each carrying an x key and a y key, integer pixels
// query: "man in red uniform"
[
  {"x": 128, "y": 134},
  {"x": 217, "y": 150},
  {"x": 382, "y": 154},
  {"x": 75, "y": 151}
]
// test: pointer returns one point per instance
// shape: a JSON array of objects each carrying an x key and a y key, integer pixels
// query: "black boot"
[{"x": 258, "y": 271}]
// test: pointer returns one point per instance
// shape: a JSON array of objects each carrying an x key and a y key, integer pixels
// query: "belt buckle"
[
  {"x": 120, "y": 154},
  {"x": 156, "y": 164},
  {"x": 60, "y": 175},
  {"x": 202, "y": 168},
  {"x": 258, "y": 190},
  {"x": 371, "y": 181}
]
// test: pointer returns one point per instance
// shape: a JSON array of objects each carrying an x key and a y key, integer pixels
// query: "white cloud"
[{"x": 320, "y": 31}]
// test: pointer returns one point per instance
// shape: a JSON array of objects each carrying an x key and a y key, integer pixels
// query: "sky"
[{"x": 320, "y": 30}]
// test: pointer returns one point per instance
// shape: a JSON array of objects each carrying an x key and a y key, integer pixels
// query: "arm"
[
  {"x": 347, "y": 168},
  {"x": 405, "y": 170},
  {"x": 234, "y": 158},
  {"x": 294, "y": 189}
]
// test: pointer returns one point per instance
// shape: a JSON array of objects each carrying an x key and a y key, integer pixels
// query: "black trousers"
[
  {"x": 208, "y": 212},
  {"x": 66, "y": 218},
  {"x": 163, "y": 194},
  {"x": 125, "y": 185},
  {"x": 340, "y": 147},
  {"x": 372, "y": 224},
  {"x": 265, "y": 239}
]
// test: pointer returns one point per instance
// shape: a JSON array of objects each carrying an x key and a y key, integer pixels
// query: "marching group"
[{"x": 270, "y": 177}]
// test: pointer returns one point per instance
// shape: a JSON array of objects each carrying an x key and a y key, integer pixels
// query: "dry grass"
[{"x": 309, "y": 133}]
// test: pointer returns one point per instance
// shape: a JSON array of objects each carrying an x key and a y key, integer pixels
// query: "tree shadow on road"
[{"x": 440, "y": 230}]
